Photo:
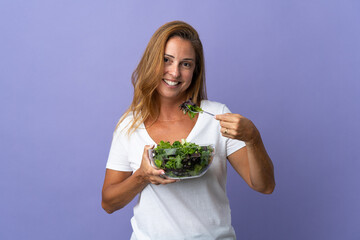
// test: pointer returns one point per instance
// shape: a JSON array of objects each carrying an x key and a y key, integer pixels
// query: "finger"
[
  {"x": 146, "y": 150},
  {"x": 222, "y": 117},
  {"x": 152, "y": 170},
  {"x": 228, "y": 117},
  {"x": 228, "y": 125},
  {"x": 167, "y": 181},
  {"x": 226, "y": 131},
  {"x": 147, "y": 147},
  {"x": 159, "y": 180},
  {"x": 229, "y": 133}
]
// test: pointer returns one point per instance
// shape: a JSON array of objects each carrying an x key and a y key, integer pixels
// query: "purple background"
[{"x": 293, "y": 67}]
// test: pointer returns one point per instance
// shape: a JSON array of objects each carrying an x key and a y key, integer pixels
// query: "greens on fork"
[{"x": 192, "y": 109}]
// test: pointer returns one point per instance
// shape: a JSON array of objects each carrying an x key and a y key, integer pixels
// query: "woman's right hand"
[{"x": 149, "y": 173}]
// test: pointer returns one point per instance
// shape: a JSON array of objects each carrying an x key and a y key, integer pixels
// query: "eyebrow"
[{"x": 186, "y": 59}]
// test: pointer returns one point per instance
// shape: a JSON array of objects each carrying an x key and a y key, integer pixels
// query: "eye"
[
  {"x": 166, "y": 59},
  {"x": 186, "y": 64}
]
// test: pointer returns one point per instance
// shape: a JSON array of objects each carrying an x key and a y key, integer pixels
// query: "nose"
[{"x": 174, "y": 71}]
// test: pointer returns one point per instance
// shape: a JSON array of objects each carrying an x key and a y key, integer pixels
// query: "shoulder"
[
  {"x": 125, "y": 124},
  {"x": 213, "y": 106}
]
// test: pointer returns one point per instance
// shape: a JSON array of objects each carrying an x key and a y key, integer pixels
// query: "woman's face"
[{"x": 179, "y": 68}]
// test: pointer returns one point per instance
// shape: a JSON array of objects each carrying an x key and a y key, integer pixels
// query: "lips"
[{"x": 171, "y": 82}]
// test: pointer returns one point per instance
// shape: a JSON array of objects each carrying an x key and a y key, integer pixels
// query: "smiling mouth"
[{"x": 171, "y": 83}]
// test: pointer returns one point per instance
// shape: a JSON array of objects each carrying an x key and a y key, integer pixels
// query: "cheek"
[
  {"x": 165, "y": 69},
  {"x": 189, "y": 75}
]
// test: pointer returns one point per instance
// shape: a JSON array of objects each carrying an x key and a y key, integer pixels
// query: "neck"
[{"x": 170, "y": 110}]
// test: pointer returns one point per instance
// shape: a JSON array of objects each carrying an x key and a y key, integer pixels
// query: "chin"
[{"x": 171, "y": 96}]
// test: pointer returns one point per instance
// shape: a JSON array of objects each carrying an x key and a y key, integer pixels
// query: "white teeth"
[{"x": 171, "y": 83}]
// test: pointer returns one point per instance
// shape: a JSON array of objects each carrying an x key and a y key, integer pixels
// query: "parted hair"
[{"x": 150, "y": 71}]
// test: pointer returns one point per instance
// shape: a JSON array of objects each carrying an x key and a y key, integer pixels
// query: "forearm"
[
  {"x": 260, "y": 166},
  {"x": 117, "y": 196}
]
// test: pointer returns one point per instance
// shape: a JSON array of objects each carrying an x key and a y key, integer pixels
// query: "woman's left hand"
[{"x": 237, "y": 127}]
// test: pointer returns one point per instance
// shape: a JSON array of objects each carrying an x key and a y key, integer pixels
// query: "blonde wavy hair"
[{"x": 150, "y": 70}]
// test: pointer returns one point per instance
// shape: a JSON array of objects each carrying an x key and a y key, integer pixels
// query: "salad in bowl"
[{"x": 182, "y": 160}]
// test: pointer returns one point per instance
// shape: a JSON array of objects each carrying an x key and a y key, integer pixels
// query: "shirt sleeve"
[
  {"x": 232, "y": 145},
  {"x": 118, "y": 156}
]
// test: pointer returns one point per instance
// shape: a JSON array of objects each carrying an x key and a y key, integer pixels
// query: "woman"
[{"x": 170, "y": 72}]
